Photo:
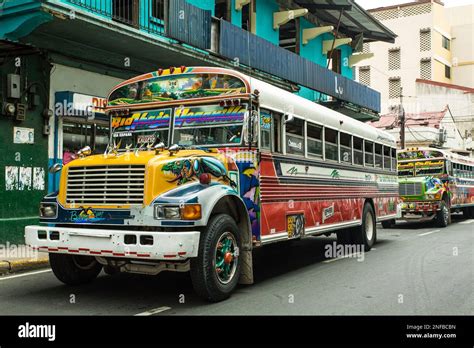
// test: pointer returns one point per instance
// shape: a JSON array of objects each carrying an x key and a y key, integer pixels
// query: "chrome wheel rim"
[
  {"x": 369, "y": 226},
  {"x": 226, "y": 256}
]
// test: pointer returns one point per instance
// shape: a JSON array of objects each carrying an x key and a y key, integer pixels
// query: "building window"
[
  {"x": 289, "y": 36},
  {"x": 125, "y": 11},
  {"x": 447, "y": 71},
  {"x": 425, "y": 40},
  {"x": 446, "y": 43},
  {"x": 394, "y": 85},
  {"x": 222, "y": 9},
  {"x": 364, "y": 75},
  {"x": 158, "y": 9},
  {"x": 394, "y": 59},
  {"x": 247, "y": 17},
  {"x": 425, "y": 69},
  {"x": 334, "y": 58}
]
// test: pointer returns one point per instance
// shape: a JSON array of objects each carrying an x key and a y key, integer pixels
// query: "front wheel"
[
  {"x": 74, "y": 270},
  {"x": 366, "y": 234},
  {"x": 215, "y": 271},
  {"x": 442, "y": 216}
]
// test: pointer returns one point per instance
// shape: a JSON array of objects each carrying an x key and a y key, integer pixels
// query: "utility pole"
[{"x": 401, "y": 118}]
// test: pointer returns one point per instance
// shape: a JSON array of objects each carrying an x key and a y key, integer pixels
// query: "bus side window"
[
  {"x": 378, "y": 156},
  {"x": 394, "y": 159},
  {"x": 294, "y": 132},
  {"x": 386, "y": 157},
  {"x": 358, "y": 151},
  {"x": 276, "y": 133},
  {"x": 265, "y": 129},
  {"x": 346, "y": 147},
  {"x": 369, "y": 153},
  {"x": 315, "y": 140},
  {"x": 331, "y": 144}
]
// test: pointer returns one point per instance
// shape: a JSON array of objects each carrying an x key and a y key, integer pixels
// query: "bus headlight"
[
  {"x": 185, "y": 212},
  {"x": 168, "y": 213},
  {"x": 48, "y": 210}
]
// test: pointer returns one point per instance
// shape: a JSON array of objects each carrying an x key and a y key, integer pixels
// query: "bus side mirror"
[
  {"x": 55, "y": 168},
  {"x": 287, "y": 118}
]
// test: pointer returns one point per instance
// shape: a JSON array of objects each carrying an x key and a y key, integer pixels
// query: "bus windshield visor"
[
  {"x": 177, "y": 87},
  {"x": 209, "y": 125}
]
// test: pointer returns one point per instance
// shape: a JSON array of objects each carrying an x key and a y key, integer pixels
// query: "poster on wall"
[
  {"x": 23, "y": 135},
  {"x": 25, "y": 178},
  {"x": 38, "y": 178},
  {"x": 11, "y": 178}
]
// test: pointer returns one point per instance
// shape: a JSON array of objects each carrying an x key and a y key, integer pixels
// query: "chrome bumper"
[{"x": 111, "y": 243}]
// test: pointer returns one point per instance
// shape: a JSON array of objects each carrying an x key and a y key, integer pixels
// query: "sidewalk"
[{"x": 15, "y": 258}]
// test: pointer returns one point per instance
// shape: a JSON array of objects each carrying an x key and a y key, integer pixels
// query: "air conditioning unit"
[{"x": 442, "y": 136}]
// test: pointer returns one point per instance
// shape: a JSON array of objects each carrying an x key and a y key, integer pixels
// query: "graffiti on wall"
[{"x": 24, "y": 178}]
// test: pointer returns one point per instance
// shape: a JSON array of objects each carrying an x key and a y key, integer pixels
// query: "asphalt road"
[{"x": 414, "y": 269}]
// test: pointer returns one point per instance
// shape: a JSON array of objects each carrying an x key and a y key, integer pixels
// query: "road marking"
[
  {"x": 24, "y": 274},
  {"x": 426, "y": 233},
  {"x": 153, "y": 311},
  {"x": 467, "y": 222},
  {"x": 343, "y": 257}
]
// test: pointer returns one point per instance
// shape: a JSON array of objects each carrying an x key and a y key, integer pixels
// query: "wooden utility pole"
[{"x": 401, "y": 118}]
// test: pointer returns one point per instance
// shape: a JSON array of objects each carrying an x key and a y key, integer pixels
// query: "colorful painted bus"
[
  {"x": 203, "y": 166},
  {"x": 434, "y": 183}
]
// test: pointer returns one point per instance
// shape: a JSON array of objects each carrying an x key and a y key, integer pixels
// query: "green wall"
[{"x": 19, "y": 201}]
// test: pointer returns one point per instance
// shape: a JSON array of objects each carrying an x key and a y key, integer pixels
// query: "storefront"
[{"x": 79, "y": 121}]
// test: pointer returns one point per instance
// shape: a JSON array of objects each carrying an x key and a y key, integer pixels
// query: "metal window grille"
[
  {"x": 425, "y": 69},
  {"x": 425, "y": 40},
  {"x": 394, "y": 85},
  {"x": 394, "y": 58}
]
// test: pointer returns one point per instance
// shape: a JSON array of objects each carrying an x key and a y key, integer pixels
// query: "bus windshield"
[
  {"x": 421, "y": 168},
  {"x": 209, "y": 125},
  {"x": 205, "y": 125},
  {"x": 176, "y": 87}
]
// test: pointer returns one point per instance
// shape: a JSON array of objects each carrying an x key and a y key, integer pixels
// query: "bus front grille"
[
  {"x": 106, "y": 185},
  {"x": 410, "y": 189}
]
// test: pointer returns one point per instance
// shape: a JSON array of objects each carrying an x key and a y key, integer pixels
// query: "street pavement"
[{"x": 415, "y": 269}]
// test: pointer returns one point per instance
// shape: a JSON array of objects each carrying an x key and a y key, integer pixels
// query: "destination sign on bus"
[
  {"x": 144, "y": 120},
  {"x": 208, "y": 115}
]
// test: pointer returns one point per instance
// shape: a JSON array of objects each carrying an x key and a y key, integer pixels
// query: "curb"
[{"x": 23, "y": 265}]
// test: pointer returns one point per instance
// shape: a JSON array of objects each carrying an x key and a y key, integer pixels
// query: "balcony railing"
[
  {"x": 147, "y": 15},
  {"x": 195, "y": 27}
]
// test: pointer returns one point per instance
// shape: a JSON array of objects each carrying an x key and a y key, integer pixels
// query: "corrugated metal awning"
[{"x": 354, "y": 19}]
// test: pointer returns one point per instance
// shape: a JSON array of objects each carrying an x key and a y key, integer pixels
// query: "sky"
[{"x": 367, "y": 4}]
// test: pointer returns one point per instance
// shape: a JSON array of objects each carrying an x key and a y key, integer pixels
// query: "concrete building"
[
  {"x": 424, "y": 129},
  {"x": 58, "y": 58},
  {"x": 433, "y": 43}
]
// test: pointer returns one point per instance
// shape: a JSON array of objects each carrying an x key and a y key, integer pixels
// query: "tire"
[
  {"x": 74, "y": 270},
  {"x": 388, "y": 223},
  {"x": 366, "y": 234},
  {"x": 443, "y": 215},
  {"x": 211, "y": 282}
]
